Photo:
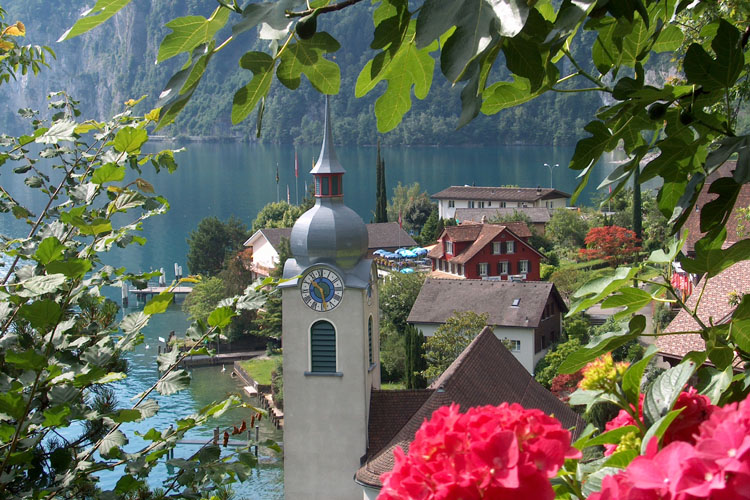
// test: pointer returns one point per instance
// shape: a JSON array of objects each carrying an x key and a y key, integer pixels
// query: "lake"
[{"x": 238, "y": 179}]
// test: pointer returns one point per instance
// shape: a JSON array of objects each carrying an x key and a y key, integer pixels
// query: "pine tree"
[
  {"x": 415, "y": 361},
  {"x": 381, "y": 197},
  {"x": 430, "y": 232},
  {"x": 270, "y": 319}
]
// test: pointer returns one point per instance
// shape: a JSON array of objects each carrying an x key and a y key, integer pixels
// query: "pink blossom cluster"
[
  {"x": 503, "y": 451},
  {"x": 716, "y": 465},
  {"x": 696, "y": 409}
]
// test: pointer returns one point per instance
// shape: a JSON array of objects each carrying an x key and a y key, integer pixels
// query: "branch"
[{"x": 322, "y": 10}]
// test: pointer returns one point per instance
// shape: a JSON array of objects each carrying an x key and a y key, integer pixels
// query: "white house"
[
  {"x": 497, "y": 197},
  {"x": 527, "y": 314}
]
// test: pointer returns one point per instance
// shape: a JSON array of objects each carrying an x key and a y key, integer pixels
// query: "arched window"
[
  {"x": 322, "y": 347},
  {"x": 369, "y": 337}
]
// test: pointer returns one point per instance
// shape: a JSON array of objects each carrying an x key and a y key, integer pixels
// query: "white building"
[{"x": 497, "y": 197}]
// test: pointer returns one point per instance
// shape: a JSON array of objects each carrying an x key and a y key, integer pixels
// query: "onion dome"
[{"x": 330, "y": 232}]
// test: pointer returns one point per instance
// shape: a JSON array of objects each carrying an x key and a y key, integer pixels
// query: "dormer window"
[
  {"x": 516, "y": 303},
  {"x": 449, "y": 247}
]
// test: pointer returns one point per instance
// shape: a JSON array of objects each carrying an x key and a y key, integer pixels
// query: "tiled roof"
[
  {"x": 389, "y": 412},
  {"x": 481, "y": 235},
  {"x": 274, "y": 234},
  {"x": 536, "y": 214},
  {"x": 485, "y": 373},
  {"x": 714, "y": 305},
  {"x": 692, "y": 224},
  {"x": 387, "y": 235},
  {"x": 499, "y": 193},
  {"x": 440, "y": 298}
]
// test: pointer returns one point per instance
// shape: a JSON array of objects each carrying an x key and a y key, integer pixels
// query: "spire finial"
[{"x": 328, "y": 162}]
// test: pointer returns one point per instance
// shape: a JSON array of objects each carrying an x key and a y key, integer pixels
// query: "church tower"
[{"x": 330, "y": 340}]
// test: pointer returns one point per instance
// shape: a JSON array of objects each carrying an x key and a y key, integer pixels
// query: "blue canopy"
[
  {"x": 407, "y": 270},
  {"x": 380, "y": 251},
  {"x": 419, "y": 251},
  {"x": 406, "y": 253}
]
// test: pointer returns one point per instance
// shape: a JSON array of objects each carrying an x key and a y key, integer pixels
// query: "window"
[
  {"x": 369, "y": 338},
  {"x": 516, "y": 302},
  {"x": 510, "y": 247},
  {"x": 322, "y": 347},
  {"x": 471, "y": 204},
  {"x": 449, "y": 247},
  {"x": 480, "y": 204},
  {"x": 502, "y": 267},
  {"x": 317, "y": 185},
  {"x": 523, "y": 266},
  {"x": 489, "y": 203},
  {"x": 502, "y": 204},
  {"x": 515, "y": 345},
  {"x": 451, "y": 203},
  {"x": 335, "y": 185},
  {"x": 497, "y": 247},
  {"x": 326, "y": 181},
  {"x": 483, "y": 268}
]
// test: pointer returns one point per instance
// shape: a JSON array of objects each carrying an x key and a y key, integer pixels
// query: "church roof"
[
  {"x": 485, "y": 373},
  {"x": 328, "y": 162},
  {"x": 498, "y": 193},
  {"x": 440, "y": 298}
]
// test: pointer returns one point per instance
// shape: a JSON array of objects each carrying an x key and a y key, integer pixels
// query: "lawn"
[
  {"x": 392, "y": 386},
  {"x": 260, "y": 368}
]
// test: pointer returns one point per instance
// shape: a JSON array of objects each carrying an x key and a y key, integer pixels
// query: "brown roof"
[
  {"x": 274, "y": 234},
  {"x": 388, "y": 235},
  {"x": 536, "y": 214},
  {"x": 389, "y": 412},
  {"x": 498, "y": 193},
  {"x": 714, "y": 305},
  {"x": 439, "y": 299},
  {"x": 692, "y": 224},
  {"x": 481, "y": 235},
  {"x": 485, "y": 373}
]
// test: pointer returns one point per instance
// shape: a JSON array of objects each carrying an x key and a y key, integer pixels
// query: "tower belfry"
[{"x": 330, "y": 337}]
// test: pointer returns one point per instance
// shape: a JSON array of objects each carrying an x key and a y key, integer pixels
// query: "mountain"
[{"x": 116, "y": 62}]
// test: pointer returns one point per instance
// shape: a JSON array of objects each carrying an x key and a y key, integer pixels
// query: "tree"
[
  {"x": 411, "y": 205},
  {"x": 269, "y": 320},
  {"x": 415, "y": 362},
  {"x": 212, "y": 242},
  {"x": 430, "y": 233},
  {"x": 280, "y": 214},
  {"x": 614, "y": 244},
  {"x": 381, "y": 193},
  {"x": 567, "y": 228},
  {"x": 203, "y": 299},
  {"x": 548, "y": 367},
  {"x": 450, "y": 339}
]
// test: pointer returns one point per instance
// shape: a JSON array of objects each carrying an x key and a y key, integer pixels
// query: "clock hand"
[{"x": 322, "y": 295}]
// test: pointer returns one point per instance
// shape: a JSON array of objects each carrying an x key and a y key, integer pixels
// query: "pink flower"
[{"x": 501, "y": 451}]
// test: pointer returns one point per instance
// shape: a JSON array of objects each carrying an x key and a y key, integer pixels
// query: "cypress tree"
[
  {"x": 415, "y": 362},
  {"x": 381, "y": 199}
]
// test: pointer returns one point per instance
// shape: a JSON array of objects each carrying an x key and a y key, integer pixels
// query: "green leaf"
[
  {"x": 158, "y": 304},
  {"x": 127, "y": 484},
  {"x": 722, "y": 72},
  {"x": 596, "y": 290},
  {"x": 56, "y": 416},
  {"x": 631, "y": 380},
  {"x": 218, "y": 409},
  {"x": 603, "y": 344},
  {"x": 134, "y": 322},
  {"x": 189, "y": 32},
  {"x": 26, "y": 360},
  {"x": 93, "y": 17},
  {"x": 221, "y": 317},
  {"x": 502, "y": 95},
  {"x": 669, "y": 40},
  {"x": 71, "y": 268},
  {"x": 129, "y": 140},
  {"x": 664, "y": 391},
  {"x": 306, "y": 57},
  {"x": 711, "y": 259},
  {"x": 111, "y": 443},
  {"x": 41, "y": 314},
  {"x": 633, "y": 299},
  {"x": 658, "y": 428},
  {"x": 126, "y": 415},
  {"x": 12, "y": 404},
  {"x": 713, "y": 383},
  {"x": 97, "y": 226},
  {"x": 594, "y": 481},
  {"x": 49, "y": 250},
  {"x": 621, "y": 459},
  {"x": 174, "y": 381},
  {"x": 109, "y": 172},
  {"x": 61, "y": 130},
  {"x": 245, "y": 99},
  {"x": 613, "y": 436}
]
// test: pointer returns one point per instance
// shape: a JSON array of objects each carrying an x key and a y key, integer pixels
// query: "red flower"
[{"x": 488, "y": 452}]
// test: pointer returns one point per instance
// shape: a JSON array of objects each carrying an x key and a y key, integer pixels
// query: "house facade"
[
  {"x": 476, "y": 197},
  {"x": 527, "y": 315},
  {"x": 538, "y": 216},
  {"x": 486, "y": 251}
]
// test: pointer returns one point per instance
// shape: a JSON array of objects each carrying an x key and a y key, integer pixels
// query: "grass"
[
  {"x": 392, "y": 386},
  {"x": 260, "y": 368}
]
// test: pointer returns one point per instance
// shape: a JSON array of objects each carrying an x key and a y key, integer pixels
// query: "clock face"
[{"x": 322, "y": 289}]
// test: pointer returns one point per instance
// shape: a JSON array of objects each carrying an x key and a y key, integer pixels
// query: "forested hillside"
[{"x": 105, "y": 67}]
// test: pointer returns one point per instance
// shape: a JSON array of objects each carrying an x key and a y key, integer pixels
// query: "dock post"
[
  {"x": 216, "y": 436},
  {"x": 249, "y": 438},
  {"x": 257, "y": 438},
  {"x": 125, "y": 294}
]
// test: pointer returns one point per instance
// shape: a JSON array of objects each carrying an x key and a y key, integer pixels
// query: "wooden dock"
[
  {"x": 220, "y": 359},
  {"x": 144, "y": 293}
]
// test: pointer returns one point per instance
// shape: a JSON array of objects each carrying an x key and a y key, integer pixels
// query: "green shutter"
[
  {"x": 323, "y": 347},
  {"x": 369, "y": 337}
]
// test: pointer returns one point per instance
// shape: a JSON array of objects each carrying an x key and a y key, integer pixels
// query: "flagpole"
[
  {"x": 296, "y": 177},
  {"x": 277, "y": 182}
]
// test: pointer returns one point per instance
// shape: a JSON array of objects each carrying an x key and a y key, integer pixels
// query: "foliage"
[
  {"x": 397, "y": 296},
  {"x": 63, "y": 344},
  {"x": 655, "y": 227},
  {"x": 261, "y": 368},
  {"x": 450, "y": 339},
  {"x": 547, "y": 368},
  {"x": 429, "y": 233},
  {"x": 15, "y": 58},
  {"x": 212, "y": 242},
  {"x": 567, "y": 228},
  {"x": 277, "y": 383},
  {"x": 280, "y": 214},
  {"x": 743, "y": 221},
  {"x": 615, "y": 244},
  {"x": 269, "y": 320},
  {"x": 203, "y": 299},
  {"x": 381, "y": 193},
  {"x": 415, "y": 362},
  {"x": 662, "y": 315},
  {"x": 411, "y": 205},
  {"x": 564, "y": 384},
  {"x": 577, "y": 327}
]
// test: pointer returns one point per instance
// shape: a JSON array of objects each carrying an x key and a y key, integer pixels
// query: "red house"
[{"x": 481, "y": 251}]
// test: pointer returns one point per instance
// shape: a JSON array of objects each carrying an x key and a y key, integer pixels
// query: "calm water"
[{"x": 239, "y": 179}]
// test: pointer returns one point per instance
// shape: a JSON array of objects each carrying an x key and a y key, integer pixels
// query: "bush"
[{"x": 546, "y": 369}]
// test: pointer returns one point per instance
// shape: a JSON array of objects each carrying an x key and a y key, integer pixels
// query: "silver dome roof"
[{"x": 328, "y": 162}]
